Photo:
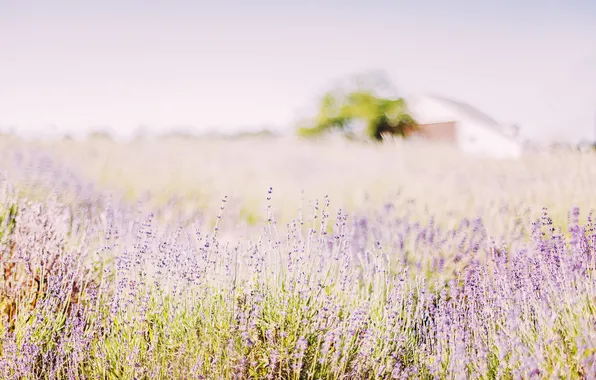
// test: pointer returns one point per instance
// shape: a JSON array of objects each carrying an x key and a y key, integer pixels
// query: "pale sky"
[{"x": 233, "y": 64}]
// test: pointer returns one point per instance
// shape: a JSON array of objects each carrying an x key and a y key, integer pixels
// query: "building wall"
[
  {"x": 444, "y": 132},
  {"x": 472, "y": 137}
]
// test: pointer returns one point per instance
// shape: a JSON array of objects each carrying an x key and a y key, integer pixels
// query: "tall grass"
[{"x": 93, "y": 286}]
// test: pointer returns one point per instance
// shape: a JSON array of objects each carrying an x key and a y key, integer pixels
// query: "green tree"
[
  {"x": 381, "y": 115},
  {"x": 367, "y": 98}
]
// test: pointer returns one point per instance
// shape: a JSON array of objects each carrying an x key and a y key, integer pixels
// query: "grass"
[{"x": 361, "y": 262}]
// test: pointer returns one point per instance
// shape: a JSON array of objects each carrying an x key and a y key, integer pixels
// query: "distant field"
[
  {"x": 440, "y": 180},
  {"x": 272, "y": 258}
]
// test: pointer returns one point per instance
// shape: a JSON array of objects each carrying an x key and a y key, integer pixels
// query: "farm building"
[{"x": 447, "y": 120}]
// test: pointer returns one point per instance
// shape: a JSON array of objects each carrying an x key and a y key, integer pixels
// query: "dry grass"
[{"x": 419, "y": 179}]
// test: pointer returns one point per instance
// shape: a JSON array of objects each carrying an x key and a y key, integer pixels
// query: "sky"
[{"x": 228, "y": 65}]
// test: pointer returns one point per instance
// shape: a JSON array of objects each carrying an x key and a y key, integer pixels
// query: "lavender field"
[{"x": 275, "y": 259}]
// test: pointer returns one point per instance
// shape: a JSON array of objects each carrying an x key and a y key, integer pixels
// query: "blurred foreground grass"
[{"x": 420, "y": 180}]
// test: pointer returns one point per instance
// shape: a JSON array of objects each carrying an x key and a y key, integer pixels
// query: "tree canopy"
[{"x": 380, "y": 115}]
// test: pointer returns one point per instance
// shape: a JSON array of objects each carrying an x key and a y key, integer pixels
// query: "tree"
[{"x": 380, "y": 115}]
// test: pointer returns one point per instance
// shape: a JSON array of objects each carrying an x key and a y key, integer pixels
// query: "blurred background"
[
  {"x": 153, "y": 67},
  {"x": 467, "y": 107}
]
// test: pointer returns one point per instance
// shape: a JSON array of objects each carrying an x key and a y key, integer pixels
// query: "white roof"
[{"x": 450, "y": 109}]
